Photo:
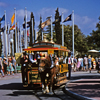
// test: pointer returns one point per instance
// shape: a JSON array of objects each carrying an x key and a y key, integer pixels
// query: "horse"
[{"x": 45, "y": 69}]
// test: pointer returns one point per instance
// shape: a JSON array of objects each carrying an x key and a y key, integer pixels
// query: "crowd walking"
[{"x": 7, "y": 66}]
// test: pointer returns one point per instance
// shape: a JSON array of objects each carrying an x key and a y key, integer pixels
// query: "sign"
[
  {"x": 50, "y": 51},
  {"x": 18, "y": 57},
  {"x": 62, "y": 47}
]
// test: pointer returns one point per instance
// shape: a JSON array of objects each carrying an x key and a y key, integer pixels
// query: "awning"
[{"x": 93, "y": 51}]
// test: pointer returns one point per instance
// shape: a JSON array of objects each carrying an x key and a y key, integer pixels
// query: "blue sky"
[{"x": 86, "y": 12}]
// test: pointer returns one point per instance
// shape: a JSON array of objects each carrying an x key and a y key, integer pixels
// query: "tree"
[
  {"x": 39, "y": 38},
  {"x": 79, "y": 39},
  {"x": 58, "y": 28},
  {"x": 31, "y": 39},
  {"x": 93, "y": 39}
]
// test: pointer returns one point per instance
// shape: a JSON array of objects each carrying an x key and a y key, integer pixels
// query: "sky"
[{"x": 86, "y": 12}]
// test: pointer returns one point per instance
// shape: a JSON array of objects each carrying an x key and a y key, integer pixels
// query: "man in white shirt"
[{"x": 69, "y": 66}]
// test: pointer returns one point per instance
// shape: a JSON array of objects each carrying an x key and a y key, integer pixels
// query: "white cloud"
[
  {"x": 46, "y": 12},
  {"x": 21, "y": 13},
  {"x": 2, "y": 4}
]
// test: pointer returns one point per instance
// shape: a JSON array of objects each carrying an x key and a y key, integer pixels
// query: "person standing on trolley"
[
  {"x": 69, "y": 66},
  {"x": 24, "y": 65}
]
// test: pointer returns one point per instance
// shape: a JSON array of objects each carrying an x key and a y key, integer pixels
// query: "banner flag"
[
  {"x": 28, "y": 24},
  {"x": 46, "y": 23},
  {"x": 12, "y": 27},
  {"x": 3, "y": 18},
  {"x": 57, "y": 20},
  {"x": 12, "y": 19},
  {"x": 68, "y": 18}
]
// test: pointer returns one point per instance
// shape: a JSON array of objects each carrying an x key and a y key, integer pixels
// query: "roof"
[{"x": 43, "y": 49}]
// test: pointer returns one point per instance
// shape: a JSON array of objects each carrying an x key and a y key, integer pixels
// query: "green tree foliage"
[
  {"x": 31, "y": 39},
  {"x": 39, "y": 38},
  {"x": 94, "y": 38},
  {"x": 79, "y": 39},
  {"x": 48, "y": 32},
  {"x": 58, "y": 29}
]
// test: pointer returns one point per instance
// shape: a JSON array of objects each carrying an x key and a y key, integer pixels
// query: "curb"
[{"x": 75, "y": 95}]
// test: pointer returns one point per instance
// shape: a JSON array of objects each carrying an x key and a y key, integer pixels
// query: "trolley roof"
[{"x": 44, "y": 46}]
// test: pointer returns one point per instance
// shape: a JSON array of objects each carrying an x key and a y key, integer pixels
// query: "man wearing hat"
[
  {"x": 5, "y": 65},
  {"x": 1, "y": 67},
  {"x": 86, "y": 62},
  {"x": 24, "y": 64}
]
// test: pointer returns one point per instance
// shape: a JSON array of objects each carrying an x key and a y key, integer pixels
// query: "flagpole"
[
  {"x": 25, "y": 28},
  {"x": 42, "y": 30},
  {"x": 62, "y": 31},
  {"x": 32, "y": 32},
  {"x": 8, "y": 39},
  {"x": 73, "y": 31},
  {"x": 15, "y": 31},
  {"x": 5, "y": 36},
  {"x": 18, "y": 37},
  {"x": 51, "y": 30}
]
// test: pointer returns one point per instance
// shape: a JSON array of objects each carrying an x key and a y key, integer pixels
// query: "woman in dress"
[
  {"x": 10, "y": 68},
  {"x": 89, "y": 63},
  {"x": 78, "y": 63}
]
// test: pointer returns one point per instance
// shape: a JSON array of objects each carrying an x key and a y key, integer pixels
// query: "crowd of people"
[
  {"x": 7, "y": 66},
  {"x": 85, "y": 63}
]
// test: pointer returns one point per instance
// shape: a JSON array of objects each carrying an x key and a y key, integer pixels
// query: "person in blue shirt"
[{"x": 89, "y": 63}]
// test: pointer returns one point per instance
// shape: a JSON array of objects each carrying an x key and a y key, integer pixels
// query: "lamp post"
[{"x": 11, "y": 41}]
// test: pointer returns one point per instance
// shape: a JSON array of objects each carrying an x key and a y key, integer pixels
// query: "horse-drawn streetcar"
[{"x": 47, "y": 64}]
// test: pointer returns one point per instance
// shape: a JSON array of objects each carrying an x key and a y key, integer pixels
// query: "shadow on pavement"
[{"x": 86, "y": 87}]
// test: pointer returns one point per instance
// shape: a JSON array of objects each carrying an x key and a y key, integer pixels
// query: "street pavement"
[{"x": 84, "y": 85}]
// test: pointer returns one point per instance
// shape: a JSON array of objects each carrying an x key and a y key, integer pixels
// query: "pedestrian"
[
  {"x": 72, "y": 59},
  {"x": 10, "y": 68},
  {"x": 79, "y": 63},
  {"x": 1, "y": 67},
  {"x": 75, "y": 63},
  {"x": 85, "y": 61},
  {"x": 5, "y": 65},
  {"x": 96, "y": 59},
  {"x": 69, "y": 66},
  {"x": 92, "y": 60},
  {"x": 98, "y": 65},
  {"x": 89, "y": 63},
  {"x": 14, "y": 64}
]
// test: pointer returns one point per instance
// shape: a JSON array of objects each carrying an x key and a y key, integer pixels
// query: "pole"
[
  {"x": 73, "y": 31},
  {"x": 15, "y": 31},
  {"x": 8, "y": 39},
  {"x": 42, "y": 30},
  {"x": 51, "y": 30},
  {"x": 6, "y": 50},
  {"x": 62, "y": 31},
  {"x": 18, "y": 37},
  {"x": 25, "y": 28}
]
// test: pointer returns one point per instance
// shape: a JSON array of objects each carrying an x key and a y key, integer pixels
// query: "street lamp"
[{"x": 11, "y": 41}]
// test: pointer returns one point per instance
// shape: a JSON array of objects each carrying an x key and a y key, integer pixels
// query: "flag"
[
  {"x": 28, "y": 24},
  {"x": 12, "y": 19},
  {"x": 3, "y": 18},
  {"x": 68, "y": 18},
  {"x": 28, "y": 33},
  {"x": 2, "y": 29},
  {"x": 57, "y": 20},
  {"x": 12, "y": 27},
  {"x": 46, "y": 23}
]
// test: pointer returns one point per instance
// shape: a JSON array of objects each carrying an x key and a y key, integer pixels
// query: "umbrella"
[{"x": 94, "y": 51}]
